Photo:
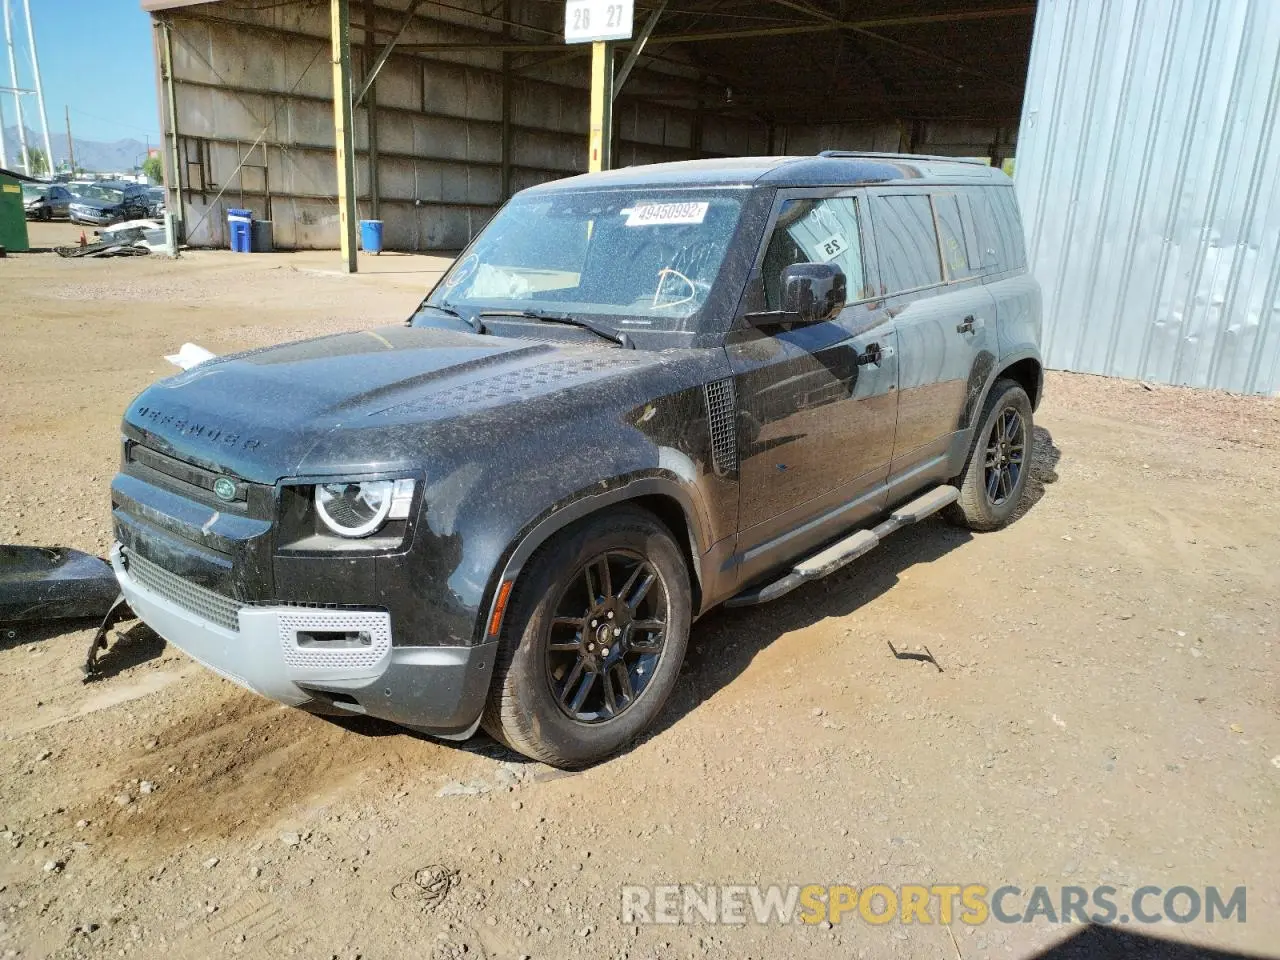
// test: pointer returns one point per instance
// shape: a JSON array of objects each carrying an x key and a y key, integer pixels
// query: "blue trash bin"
[
  {"x": 371, "y": 236},
  {"x": 240, "y": 229}
]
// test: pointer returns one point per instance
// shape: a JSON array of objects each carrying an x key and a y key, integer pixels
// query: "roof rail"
[{"x": 870, "y": 155}]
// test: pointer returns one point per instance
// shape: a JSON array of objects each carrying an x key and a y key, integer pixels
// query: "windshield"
[
  {"x": 644, "y": 259},
  {"x": 32, "y": 191},
  {"x": 105, "y": 194}
]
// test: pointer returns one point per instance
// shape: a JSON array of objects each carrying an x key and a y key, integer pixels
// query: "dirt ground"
[{"x": 1106, "y": 710}]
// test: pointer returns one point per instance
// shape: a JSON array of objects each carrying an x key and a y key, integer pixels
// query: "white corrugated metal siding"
[{"x": 1149, "y": 181}]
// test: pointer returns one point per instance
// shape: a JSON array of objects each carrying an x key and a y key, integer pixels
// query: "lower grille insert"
[{"x": 203, "y": 602}]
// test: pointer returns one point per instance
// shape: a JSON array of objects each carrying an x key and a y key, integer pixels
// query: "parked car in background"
[
  {"x": 110, "y": 201},
  {"x": 156, "y": 202},
  {"x": 44, "y": 201},
  {"x": 636, "y": 395}
]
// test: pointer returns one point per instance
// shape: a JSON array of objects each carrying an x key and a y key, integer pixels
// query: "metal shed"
[
  {"x": 475, "y": 99},
  {"x": 1148, "y": 173}
]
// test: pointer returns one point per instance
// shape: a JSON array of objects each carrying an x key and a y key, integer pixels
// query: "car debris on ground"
[{"x": 131, "y": 238}]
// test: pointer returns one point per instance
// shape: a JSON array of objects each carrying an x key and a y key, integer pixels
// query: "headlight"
[{"x": 360, "y": 508}]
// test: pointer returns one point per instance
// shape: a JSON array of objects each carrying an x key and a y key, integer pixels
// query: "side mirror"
[{"x": 813, "y": 292}]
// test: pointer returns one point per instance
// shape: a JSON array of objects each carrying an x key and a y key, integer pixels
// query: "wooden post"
[
  {"x": 340, "y": 38},
  {"x": 600, "y": 145}
]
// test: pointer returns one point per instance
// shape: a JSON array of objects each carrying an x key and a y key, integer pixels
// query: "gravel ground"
[{"x": 1105, "y": 713}]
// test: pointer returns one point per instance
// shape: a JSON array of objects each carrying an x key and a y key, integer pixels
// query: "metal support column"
[
  {"x": 35, "y": 72},
  {"x": 371, "y": 111},
  {"x": 600, "y": 148},
  {"x": 505, "y": 169},
  {"x": 23, "y": 154},
  {"x": 340, "y": 39}
]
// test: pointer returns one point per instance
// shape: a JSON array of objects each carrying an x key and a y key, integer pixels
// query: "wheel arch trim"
[
  {"x": 584, "y": 505},
  {"x": 998, "y": 370}
]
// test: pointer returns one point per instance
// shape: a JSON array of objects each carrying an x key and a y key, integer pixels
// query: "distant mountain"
[{"x": 94, "y": 155}]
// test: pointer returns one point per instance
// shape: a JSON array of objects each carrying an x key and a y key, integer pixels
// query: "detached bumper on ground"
[{"x": 339, "y": 660}]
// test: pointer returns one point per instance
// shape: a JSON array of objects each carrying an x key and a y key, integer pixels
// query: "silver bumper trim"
[{"x": 264, "y": 654}]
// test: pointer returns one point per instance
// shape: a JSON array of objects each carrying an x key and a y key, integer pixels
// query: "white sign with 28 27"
[{"x": 586, "y": 21}]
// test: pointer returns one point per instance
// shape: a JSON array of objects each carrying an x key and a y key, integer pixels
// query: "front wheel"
[
  {"x": 995, "y": 477},
  {"x": 595, "y": 634}
]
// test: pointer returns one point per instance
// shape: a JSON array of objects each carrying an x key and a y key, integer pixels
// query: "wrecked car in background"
[
  {"x": 44, "y": 201},
  {"x": 109, "y": 201},
  {"x": 635, "y": 396}
]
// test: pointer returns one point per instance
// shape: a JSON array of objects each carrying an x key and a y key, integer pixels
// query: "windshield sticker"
[
  {"x": 832, "y": 247},
  {"x": 663, "y": 214},
  {"x": 462, "y": 271}
]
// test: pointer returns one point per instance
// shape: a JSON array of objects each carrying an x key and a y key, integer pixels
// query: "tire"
[
  {"x": 995, "y": 475},
  {"x": 537, "y": 704}
]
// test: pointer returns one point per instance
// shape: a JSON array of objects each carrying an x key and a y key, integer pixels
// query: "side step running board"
[{"x": 849, "y": 549}]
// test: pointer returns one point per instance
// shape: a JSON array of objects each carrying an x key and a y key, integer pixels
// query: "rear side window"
[
  {"x": 907, "y": 242},
  {"x": 815, "y": 231},
  {"x": 961, "y": 251}
]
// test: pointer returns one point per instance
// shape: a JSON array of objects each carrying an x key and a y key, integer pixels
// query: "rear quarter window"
[{"x": 999, "y": 229}]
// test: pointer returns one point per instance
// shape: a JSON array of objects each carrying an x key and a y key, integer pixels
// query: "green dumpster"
[{"x": 13, "y": 221}]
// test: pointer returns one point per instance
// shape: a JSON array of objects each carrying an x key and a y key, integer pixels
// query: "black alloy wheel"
[
  {"x": 607, "y": 636},
  {"x": 593, "y": 639},
  {"x": 1005, "y": 454}
]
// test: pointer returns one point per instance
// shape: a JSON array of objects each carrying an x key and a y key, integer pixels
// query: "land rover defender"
[{"x": 635, "y": 396}]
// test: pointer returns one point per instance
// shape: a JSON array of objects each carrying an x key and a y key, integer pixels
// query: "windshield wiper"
[
  {"x": 473, "y": 322},
  {"x": 600, "y": 330}
]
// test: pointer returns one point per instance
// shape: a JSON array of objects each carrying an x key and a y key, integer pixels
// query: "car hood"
[
  {"x": 259, "y": 415},
  {"x": 89, "y": 203}
]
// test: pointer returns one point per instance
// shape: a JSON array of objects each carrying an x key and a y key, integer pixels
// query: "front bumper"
[
  {"x": 92, "y": 217},
  {"x": 438, "y": 690}
]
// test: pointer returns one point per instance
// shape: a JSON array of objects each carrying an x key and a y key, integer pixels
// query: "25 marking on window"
[{"x": 832, "y": 247}]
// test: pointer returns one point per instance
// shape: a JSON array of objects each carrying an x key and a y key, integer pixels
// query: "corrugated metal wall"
[
  {"x": 244, "y": 71},
  {"x": 1148, "y": 173}
]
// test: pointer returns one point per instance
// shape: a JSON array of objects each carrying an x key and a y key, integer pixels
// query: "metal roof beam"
[
  {"x": 386, "y": 51},
  {"x": 823, "y": 26}
]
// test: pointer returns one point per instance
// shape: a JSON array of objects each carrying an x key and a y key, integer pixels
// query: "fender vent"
[{"x": 721, "y": 410}]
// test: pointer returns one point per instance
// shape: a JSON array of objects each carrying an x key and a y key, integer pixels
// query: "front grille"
[
  {"x": 721, "y": 409},
  {"x": 191, "y": 597},
  {"x": 186, "y": 474}
]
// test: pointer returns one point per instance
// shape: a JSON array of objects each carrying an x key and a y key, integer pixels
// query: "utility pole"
[
  {"x": 340, "y": 40},
  {"x": 35, "y": 69},
  {"x": 71, "y": 144},
  {"x": 17, "y": 95}
]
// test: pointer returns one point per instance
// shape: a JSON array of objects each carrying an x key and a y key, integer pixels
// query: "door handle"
[
  {"x": 969, "y": 324},
  {"x": 872, "y": 354}
]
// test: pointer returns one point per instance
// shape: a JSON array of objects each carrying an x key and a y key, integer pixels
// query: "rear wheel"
[
  {"x": 995, "y": 477},
  {"x": 594, "y": 638}
]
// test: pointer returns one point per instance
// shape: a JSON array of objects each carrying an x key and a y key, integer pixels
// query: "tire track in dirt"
[{"x": 248, "y": 766}]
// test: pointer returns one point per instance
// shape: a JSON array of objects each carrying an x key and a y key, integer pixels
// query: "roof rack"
[{"x": 870, "y": 155}]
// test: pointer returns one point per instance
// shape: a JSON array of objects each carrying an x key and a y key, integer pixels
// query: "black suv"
[{"x": 635, "y": 396}]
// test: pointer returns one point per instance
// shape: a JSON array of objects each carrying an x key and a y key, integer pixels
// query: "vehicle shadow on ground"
[
  {"x": 723, "y": 643},
  {"x": 1112, "y": 943}
]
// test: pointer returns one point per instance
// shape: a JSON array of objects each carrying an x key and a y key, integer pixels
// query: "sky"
[{"x": 96, "y": 58}]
